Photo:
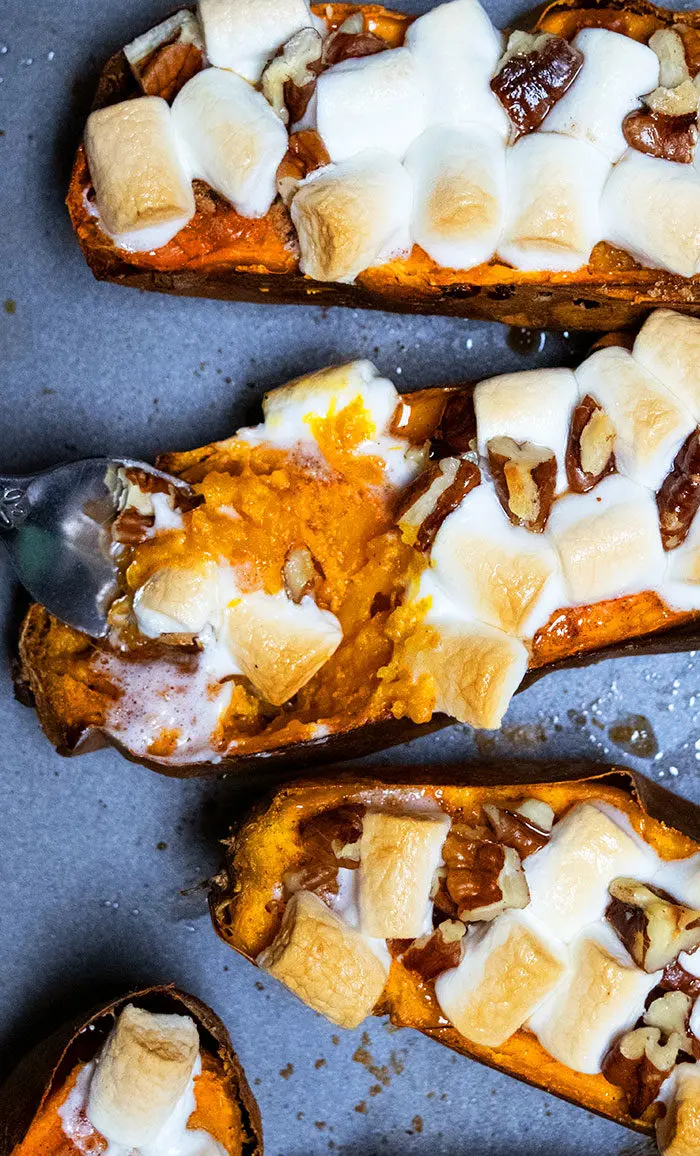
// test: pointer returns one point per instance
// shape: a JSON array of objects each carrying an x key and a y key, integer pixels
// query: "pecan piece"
[
  {"x": 673, "y": 66},
  {"x": 533, "y": 75},
  {"x": 678, "y": 500},
  {"x": 639, "y": 1063},
  {"x": 351, "y": 40},
  {"x": 434, "y": 494},
  {"x": 131, "y": 527},
  {"x": 432, "y": 954},
  {"x": 482, "y": 878},
  {"x": 289, "y": 80},
  {"x": 650, "y": 924},
  {"x": 525, "y": 477},
  {"x": 590, "y": 451},
  {"x": 517, "y": 830},
  {"x": 456, "y": 431},
  {"x": 166, "y": 57},
  {"x": 676, "y": 978},
  {"x": 672, "y": 138},
  {"x": 329, "y": 841},
  {"x": 305, "y": 153},
  {"x": 299, "y": 573}
]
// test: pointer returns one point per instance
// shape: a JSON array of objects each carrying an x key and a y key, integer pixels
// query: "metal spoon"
[{"x": 55, "y": 526}]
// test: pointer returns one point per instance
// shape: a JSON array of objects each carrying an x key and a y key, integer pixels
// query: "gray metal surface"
[{"x": 95, "y": 853}]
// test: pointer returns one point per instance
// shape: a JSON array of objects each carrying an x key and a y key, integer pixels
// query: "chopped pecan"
[
  {"x": 676, "y": 978},
  {"x": 299, "y": 573},
  {"x": 131, "y": 527},
  {"x": 328, "y": 842},
  {"x": 678, "y": 500},
  {"x": 516, "y": 830},
  {"x": 432, "y": 954},
  {"x": 537, "y": 813},
  {"x": 672, "y": 138},
  {"x": 166, "y": 57},
  {"x": 456, "y": 431},
  {"x": 673, "y": 66},
  {"x": 533, "y": 75},
  {"x": 525, "y": 477},
  {"x": 639, "y": 1063},
  {"x": 651, "y": 925},
  {"x": 434, "y": 494},
  {"x": 289, "y": 80},
  {"x": 674, "y": 102},
  {"x": 305, "y": 153},
  {"x": 670, "y": 1013},
  {"x": 351, "y": 40},
  {"x": 482, "y": 877},
  {"x": 590, "y": 451}
]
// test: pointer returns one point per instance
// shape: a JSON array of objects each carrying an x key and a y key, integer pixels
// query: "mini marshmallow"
[
  {"x": 142, "y": 188},
  {"x": 681, "y": 588},
  {"x": 616, "y": 71},
  {"x": 242, "y": 35},
  {"x": 459, "y": 193},
  {"x": 182, "y": 26},
  {"x": 532, "y": 406},
  {"x": 506, "y": 972},
  {"x": 399, "y": 855},
  {"x": 608, "y": 541},
  {"x": 601, "y": 996},
  {"x": 651, "y": 208},
  {"x": 370, "y": 102},
  {"x": 353, "y": 215},
  {"x": 678, "y": 1131},
  {"x": 668, "y": 345},
  {"x": 495, "y": 572},
  {"x": 650, "y": 423},
  {"x": 568, "y": 879},
  {"x": 457, "y": 49},
  {"x": 232, "y": 137},
  {"x": 553, "y": 207},
  {"x": 289, "y": 409}
]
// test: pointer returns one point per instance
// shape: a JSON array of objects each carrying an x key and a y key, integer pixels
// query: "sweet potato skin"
[
  {"x": 260, "y": 851},
  {"x": 222, "y": 255}
]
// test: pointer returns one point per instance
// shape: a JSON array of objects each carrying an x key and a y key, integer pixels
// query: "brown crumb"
[
  {"x": 260, "y": 986},
  {"x": 10, "y": 305},
  {"x": 320, "y": 1124},
  {"x": 417, "y": 1123},
  {"x": 335, "y": 1039},
  {"x": 375, "y": 1089},
  {"x": 286, "y": 1071},
  {"x": 361, "y": 1107},
  {"x": 320, "y": 1063}
]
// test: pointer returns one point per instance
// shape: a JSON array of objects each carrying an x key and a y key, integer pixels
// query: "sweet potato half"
[
  {"x": 221, "y": 254},
  {"x": 246, "y": 901},
  {"x": 31, "y": 1098}
]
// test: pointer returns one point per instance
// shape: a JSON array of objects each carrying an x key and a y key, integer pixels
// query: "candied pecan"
[
  {"x": 672, "y": 138},
  {"x": 351, "y": 40},
  {"x": 432, "y": 954},
  {"x": 289, "y": 80},
  {"x": 639, "y": 1063},
  {"x": 650, "y": 924},
  {"x": 299, "y": 573},
  {"x": 590, "y": 451},
  {"x": 482, "y": 877},
  {"x": 434, "y": 494},
  {"x": 516, "y": 831},
  {"x": 131, "y": 527},
  {"x": 168, "y": 68},
  {"x": 533, "y": 75},
  {"x": 305, "y": 153},
  {"x": 678, "y": 500},
  {"x": 676, "y": 978},
  {"x": 456, "y": 431},
  {"x": 525, "y": 477}
]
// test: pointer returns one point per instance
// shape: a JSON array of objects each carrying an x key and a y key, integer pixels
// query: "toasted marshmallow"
[
  {"x": 553, "y": 206},
  {"x": 279, "y": 644},
  {"x": 608, "y": 541},
  {"x": 569, "y": 878},
  {"x": 678, "y": 1132},
  {"x": 601, "y": 996},
  {"x": 141, "y": 1073},
  {"x": 143, "y": 190},
  {"x": 232, "y": 137},
  {"x": 399, "y": 855},
  {"x": 182, "y": 25},
  {"x": 370, "y": 102},
  {"x": 651, "y": 208},
  {"x": 353, "y": 215},
  {"x": 242, "y": 35},
  {"x": 459, "y": 193},
  {"x": 506, "y": 972},
  {"x": 650, "y": 423},
  {"x": 183, "y": 600},
  {"x": 532, "y": 406},
  {"x": 289, "y": 410},
  {"x": 457, "y": 48},
  {"x": 328, "y": 964},
  {"x": 681, "y": 588},
  {"x": 498, "y": 573},
  {"x": 616, "y": 71},
  {"x": 668, "y": 345}
]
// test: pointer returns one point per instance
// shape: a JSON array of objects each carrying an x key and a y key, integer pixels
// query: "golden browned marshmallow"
[
  {"x": 135, "y": 165},
  {"x": 668, "y": 345},
  {"x": 328, "y": 964},
  {"x": 399, "y": 855},
  {"x": 506, "y": 972},
  {"x": 279, "y": 644},
  {"x": 182, "y": 599},
  {"x": 678, "y": 1132},
  {"x": 601, "y": 996},
  {"x": 141, "y": 1073}
]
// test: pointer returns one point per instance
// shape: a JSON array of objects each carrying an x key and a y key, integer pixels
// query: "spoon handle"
[{"x": 14, "y": 503}]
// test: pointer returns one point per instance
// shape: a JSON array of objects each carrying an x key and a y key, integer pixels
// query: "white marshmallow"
[
  {"x": 371, "y": 102},
  {"x": 232, "y": 137},
  {"x": 353, "y": 215},
  {"x": 183, "y": 600},
  {"x": 651, "y": 208},
  {"x": 668, "y": 345},
  {"x": 681, "y": 878},
  {"x": 678, "y": 1130},
  {"x": 616, "y": 71},
  {"x": 568, "y": 879},
  {"x": 532, "y": 406},
  {"x": 650, "y": 423},
  {"x": 459, "y": 193},
  {"x": 608, "y": 541},
  {"x": 495, "y": 572},
  {"x": 553, "y": 210},
  {"x": 681, "y": 588},
  {"x": 242, "y": 35},
  {"x": 289, "y": 408},
  {"x": 457, "y": 49},
  {"x": 399, "y": 855}
]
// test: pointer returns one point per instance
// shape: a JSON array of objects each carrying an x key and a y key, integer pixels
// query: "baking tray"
[{"x": 101, "y": 861}]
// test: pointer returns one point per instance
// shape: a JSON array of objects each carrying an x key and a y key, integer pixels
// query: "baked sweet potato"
[
  {"x": 30, "y": 1101},
  {"x": 295, "y": 863}
]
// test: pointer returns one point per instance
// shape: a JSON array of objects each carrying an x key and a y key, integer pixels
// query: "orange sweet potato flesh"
[
  {"x": 245, "y": 908},
  {"x": 221, "y": 254}
]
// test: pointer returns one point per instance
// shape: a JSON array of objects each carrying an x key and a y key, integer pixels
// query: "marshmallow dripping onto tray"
[
  {"x": 354, "y": 156},
  {"x": 540, "y": 918},
  {"x": 363, "y": 566}
]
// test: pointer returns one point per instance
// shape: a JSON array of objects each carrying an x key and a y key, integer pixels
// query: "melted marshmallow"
[{"x": 242, "y": 35}]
